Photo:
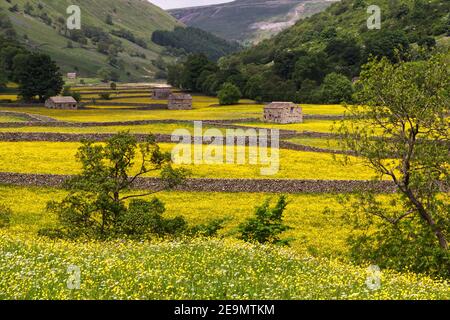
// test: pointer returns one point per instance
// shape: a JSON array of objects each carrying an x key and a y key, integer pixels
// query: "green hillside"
[
  {"x": 249, "y": 20},
  {"x": 41, "y": 25},
  {"x": 316, "y": 60}
]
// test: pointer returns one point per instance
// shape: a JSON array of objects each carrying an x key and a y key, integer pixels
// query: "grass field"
[
  {"x": 307, "y": 125},
  {"x": 204, "y": 108},
  {"x": 202, "y": 269},
  {"x": 304, "y": 214},
  {"x": 59, "y": 158},
  {"x": 94, "y": 115},
  {"x": 4, "y": 118},
  {"x": 34, "y": 268},
  {"x": 316, "y": 266},
  {"x": 162, "y": 128},
  {"x": 12, "y": 97},
  {"x": 316, "y": 142}
]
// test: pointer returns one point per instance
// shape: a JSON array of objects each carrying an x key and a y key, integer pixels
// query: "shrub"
[
  {"x": 267, "y": 225},
  {"x": 105, "y": 96},
  {"x": 5, "y": 216},
  {"x": 229, "y": 94},
  {"x": 336, "y": 88},
  {"x": 145, "y": 217}
]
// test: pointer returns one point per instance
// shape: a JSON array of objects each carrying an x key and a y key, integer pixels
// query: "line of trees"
[{"x": 192, "y": 40}]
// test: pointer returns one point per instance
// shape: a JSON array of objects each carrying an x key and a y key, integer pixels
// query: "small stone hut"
[
  {"x": 61, "y": 103},
  {"x": 180, "y": 102},
  {"x": 71, "y": 75},
  {"x": 161, "y": 93},
  {"x": 283, "y": 112}
]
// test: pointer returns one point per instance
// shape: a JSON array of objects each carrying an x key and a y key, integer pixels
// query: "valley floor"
[{"x": 316, "y": 266}]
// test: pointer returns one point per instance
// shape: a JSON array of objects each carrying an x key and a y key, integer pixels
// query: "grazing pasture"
[{"x": 316, "y": 266}]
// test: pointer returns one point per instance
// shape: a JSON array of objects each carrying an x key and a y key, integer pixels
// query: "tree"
[
  {"x": 407, "y": 105},
  {"x": 67, "y": 92},
  {"x": 38, "y": 76},
  {"x": 106, "y": 74},
  {"x": 3, "y": 78},
  {"x": 109, "y": 20},
  {"x": 386, "y": 43},
  {"x": 336, "y": 88},
  {"x": 229, "y": 94},
  {"x": 192, "y": 69},
  {"x": 96, "y": 204},
  {"x": 267, "y": 225}
]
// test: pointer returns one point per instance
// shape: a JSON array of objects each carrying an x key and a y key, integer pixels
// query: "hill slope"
[
  {"x": 249, "y": 20},
  {"x": 43, "y": 26},
  {"x": 315, "y": 60}
]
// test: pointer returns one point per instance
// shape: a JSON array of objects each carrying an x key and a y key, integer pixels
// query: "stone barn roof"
[
  {"x": 63, "y": 99},
  {"x": 281, "y": 105},
  {"x": 180, "y": 96}
]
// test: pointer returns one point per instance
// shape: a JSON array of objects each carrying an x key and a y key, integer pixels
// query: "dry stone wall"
[{"x": 221, "y": 185}]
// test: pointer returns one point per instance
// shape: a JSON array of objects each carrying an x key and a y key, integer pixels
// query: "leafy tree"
[
  {"x": 336, "y": 88},
  {"x": 253, "y": 88},
  {"x": 267, "y": 225},
  {"x": 229, "y": 94},
  {"x": 386, "y": 43},
  {"x": 192, "y": 69},
  {"x": 3, "y": 78},
  {"x": 96, "y": 204},
  {"x": 407, "y": 105},
  {"x": 109, "y": 19},
  {"x": 67, "y": 92},
  {"x": 38, "y": 76},
  {"x": 313, "y": 67},
  {"x": 106, "y": 74}
]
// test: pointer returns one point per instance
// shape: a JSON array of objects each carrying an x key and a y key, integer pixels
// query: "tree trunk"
[{"x": 427, "y": 217}]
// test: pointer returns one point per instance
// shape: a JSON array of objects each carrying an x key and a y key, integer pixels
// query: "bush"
[
  {"x": 105, "y": 96},
  {"x": 145, "y": 217},
  {"x": 267, "y": 225},
  {"x": 229, "y": 94},
  {"x": 5, "y": 216},
  {"x": 336, "y": 88},
  {"x": 67, "y": 92},
  {"x": 409, "y": 245}
]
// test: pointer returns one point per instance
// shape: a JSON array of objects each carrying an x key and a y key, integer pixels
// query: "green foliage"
[
  {"x": 144, "y": 218},
  {"x": 293, "y": 65},
  {"x": 229, "y": 94},
  {"x": 96, "y": 205},
  {"x": 67, "y": 92},
  {"x": 195, "y": 41},
  {"x": 3, "y": 78},
  {"x": 387, "y": 43},
  {"x": 407, "y": 105},
  {"x": 336, "y": 88},
  {"x": 107, "y": 74},
  {"x": 267, "y": 225},
  {"x": 105, "y": 96},
  {"x": 192, "y": 69},
  {"x": 38, "y": 76},
  {"x": 392, "y": 242},
  {"x": 5, "y": 216}
]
